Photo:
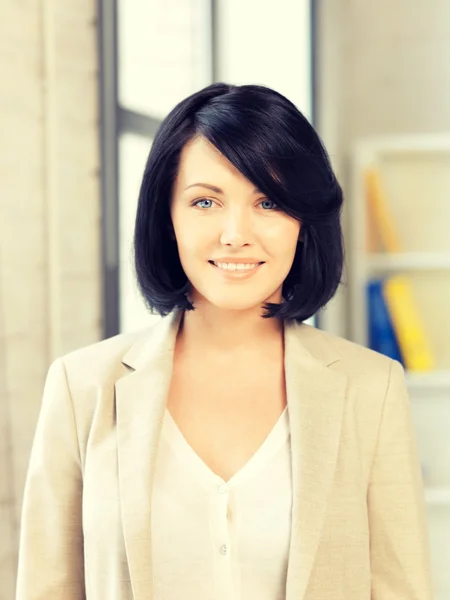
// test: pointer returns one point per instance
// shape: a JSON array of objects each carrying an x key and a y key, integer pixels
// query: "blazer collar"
[
  {"x": 155, "y": 341},
  {"x": 308, "y": 342},
  {"x": 315, "y": 396}
]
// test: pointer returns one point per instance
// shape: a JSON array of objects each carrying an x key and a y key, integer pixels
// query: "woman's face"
[{"x": 235, "y": 246}]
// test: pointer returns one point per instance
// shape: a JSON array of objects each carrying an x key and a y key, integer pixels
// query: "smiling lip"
[
  {"x": 231, "y": 274},
  {"x": 237, "y": 261}
]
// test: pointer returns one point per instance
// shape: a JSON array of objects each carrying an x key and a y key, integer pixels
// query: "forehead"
[{"x": 201, "y": 161}]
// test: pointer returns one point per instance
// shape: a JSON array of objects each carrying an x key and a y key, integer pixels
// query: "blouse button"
[
  {"x": 223, "y": 549},
  {"x": 223, "y": 489}
]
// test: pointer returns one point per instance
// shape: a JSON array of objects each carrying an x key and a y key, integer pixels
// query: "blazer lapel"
[
  {"x": 316, "y": 400},
  {"x": 140, "y": 404}
]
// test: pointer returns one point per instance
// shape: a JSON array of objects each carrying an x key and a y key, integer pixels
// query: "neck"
[{"x": 214, "y": 330}]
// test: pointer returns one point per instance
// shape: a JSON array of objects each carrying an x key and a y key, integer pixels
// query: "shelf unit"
[
  {"x": 437, "y": 381},
  {"x": 373, "y": 152},
  {"x": 408, "y": 261},
  {"x": 366, "y": 153}
]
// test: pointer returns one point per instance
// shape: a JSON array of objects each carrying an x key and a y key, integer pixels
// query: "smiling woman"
[{"x": 230, "y": 450}]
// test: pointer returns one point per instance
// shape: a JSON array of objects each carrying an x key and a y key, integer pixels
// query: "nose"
[{"x": 236, "y": 229}]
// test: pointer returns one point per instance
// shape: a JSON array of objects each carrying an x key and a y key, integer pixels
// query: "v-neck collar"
[{"x": 204, "y": 474}]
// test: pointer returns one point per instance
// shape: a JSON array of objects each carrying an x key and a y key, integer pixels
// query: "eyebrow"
[{"x": 214, "y": 188}]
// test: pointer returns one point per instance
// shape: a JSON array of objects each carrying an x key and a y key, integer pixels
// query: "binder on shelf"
[
  {"x": 373, "y": 242},
  {"x": 397, "y": 291},
  {"x": 408, "y": 325},
  {"x": 378, "y": 209},
  {"x": 382, "y": 336}
]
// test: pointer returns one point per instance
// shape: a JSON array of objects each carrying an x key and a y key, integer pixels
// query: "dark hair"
[{"x": 275, "y": 147}]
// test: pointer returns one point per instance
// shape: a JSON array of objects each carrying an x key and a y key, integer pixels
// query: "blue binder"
[{"x": 381, "y": 332}]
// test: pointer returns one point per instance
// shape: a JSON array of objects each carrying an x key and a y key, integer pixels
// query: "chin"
[{"x": 236, "y": 302}]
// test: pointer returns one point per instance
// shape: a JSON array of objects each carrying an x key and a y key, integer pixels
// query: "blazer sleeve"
[
  {"x": 399, "y": 545},
  {"x": 51, "y": 563}
]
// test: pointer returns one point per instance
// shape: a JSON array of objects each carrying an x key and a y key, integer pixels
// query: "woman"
[{"x": 229, "y": 451}]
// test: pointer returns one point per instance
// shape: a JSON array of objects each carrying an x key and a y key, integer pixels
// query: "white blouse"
[{"x": 213, "y": 540}]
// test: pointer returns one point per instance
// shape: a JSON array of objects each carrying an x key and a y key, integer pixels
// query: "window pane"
[
  {"x": 164, "y": 52},
  {"x": 276, "y": 52},
  {"x": 133, "y": 152}
]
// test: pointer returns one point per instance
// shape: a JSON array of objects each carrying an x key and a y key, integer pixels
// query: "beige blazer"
[{"x": 358, "y": 514}]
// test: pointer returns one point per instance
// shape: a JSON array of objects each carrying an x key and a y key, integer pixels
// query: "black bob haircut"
[{"x": 275, "y": 147}]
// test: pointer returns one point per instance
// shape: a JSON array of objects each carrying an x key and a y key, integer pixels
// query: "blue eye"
[
  {"x": 198, "y": 202},
  {"x": 272, "y": 204}
]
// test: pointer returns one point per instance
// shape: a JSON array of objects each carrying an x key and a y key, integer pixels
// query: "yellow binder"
[
  {"x": 378, "y": 208},
  {"x": 410, "y": 332}
]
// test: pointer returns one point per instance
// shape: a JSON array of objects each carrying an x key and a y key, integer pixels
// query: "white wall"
[{"x": 50, "y": 266}]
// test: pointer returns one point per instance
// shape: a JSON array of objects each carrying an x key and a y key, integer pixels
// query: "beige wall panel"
[{"x": 50, "y": 269}]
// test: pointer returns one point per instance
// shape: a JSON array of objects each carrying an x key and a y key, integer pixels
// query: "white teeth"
[{"x": 236, "y": 266}]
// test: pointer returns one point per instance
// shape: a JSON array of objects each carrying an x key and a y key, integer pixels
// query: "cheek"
[
  {"x": 192, "y": 237},
  {"x": 283, "y": 237}
]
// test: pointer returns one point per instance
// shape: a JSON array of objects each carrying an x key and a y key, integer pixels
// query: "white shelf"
[
  {"x": 399, "y": 144},
  {"x": 408, "y": 261},
  {"x": 434, "y": 380},
  {"x": 437, "y": 496}
]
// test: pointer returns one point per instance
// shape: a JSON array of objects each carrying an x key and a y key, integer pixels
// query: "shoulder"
[
  {"x": 360, "y": 364},
  {"x": 102, "y": 361},
  {"x": 353, "y": 354},
  {"x": 370, "y": 379}
]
